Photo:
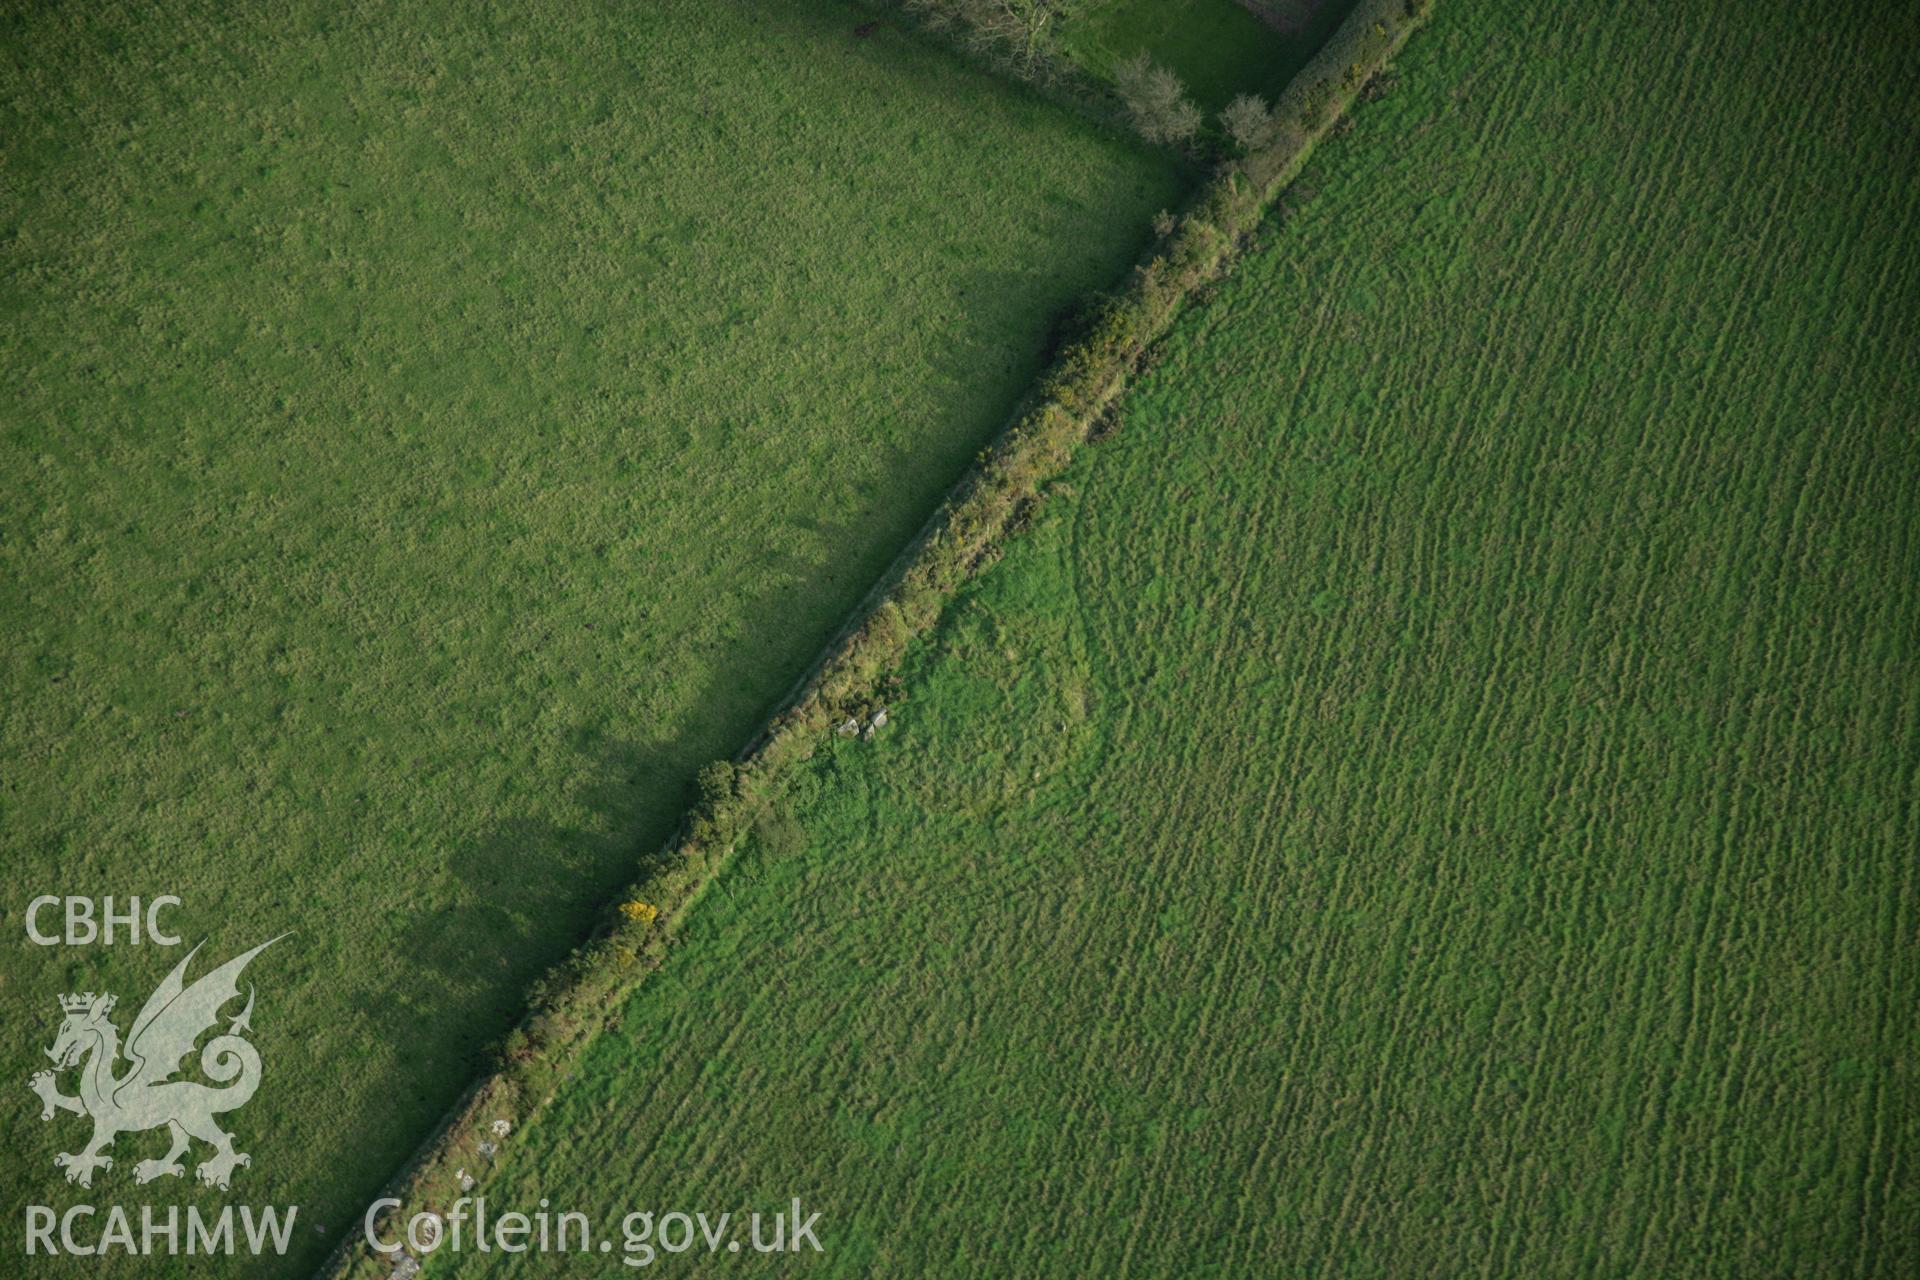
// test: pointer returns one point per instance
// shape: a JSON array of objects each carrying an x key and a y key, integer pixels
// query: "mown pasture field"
[
  {"x": 1433, "y": 794},
  {"x": 427, "y": 437}
]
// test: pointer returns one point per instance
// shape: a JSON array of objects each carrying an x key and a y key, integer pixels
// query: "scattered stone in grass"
[
  {"x": 851, "y": 727},
  {"x": 501, "y": 1128},
  {"x": 487, "y": 1149}
]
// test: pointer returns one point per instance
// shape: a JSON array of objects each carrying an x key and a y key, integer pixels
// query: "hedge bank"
[{"x": 847, "y": 682}]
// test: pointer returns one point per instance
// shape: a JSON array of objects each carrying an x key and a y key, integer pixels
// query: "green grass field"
[
  {"x": 427, "y": 438},
  {"x": 1433, "y": 795}
]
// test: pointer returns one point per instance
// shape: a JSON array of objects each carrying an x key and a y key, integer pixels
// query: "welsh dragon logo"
[{"x": 145, "y": 1096}]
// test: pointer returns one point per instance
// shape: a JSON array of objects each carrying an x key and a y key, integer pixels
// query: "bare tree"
[
  {"x": 1024, "y": 28},
  {"x": 1157, "y": 101},
  {"x": 1248, "y": 121}
]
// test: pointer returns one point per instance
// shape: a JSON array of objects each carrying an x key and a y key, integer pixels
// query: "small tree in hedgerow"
[
  {"x": 1157, "y": 101},
  {"x": 1248, "y": 121}
]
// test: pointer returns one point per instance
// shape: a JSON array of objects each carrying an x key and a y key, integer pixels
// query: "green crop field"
[
  {"x": 429, "y": 435},
  {"x": 1433, "y": 794}
]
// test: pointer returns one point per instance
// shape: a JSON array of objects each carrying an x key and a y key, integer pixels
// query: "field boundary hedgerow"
[{"x": 845, "y": 683}]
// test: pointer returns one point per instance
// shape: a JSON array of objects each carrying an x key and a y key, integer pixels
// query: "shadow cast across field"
[
  {"x": 475, "y": 960},
  {"x": 512, "y": 904},
  {"x": 470, "y": 963}
]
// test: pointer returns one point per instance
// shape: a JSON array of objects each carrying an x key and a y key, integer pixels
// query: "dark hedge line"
[{"x": 847, "y": 682}]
